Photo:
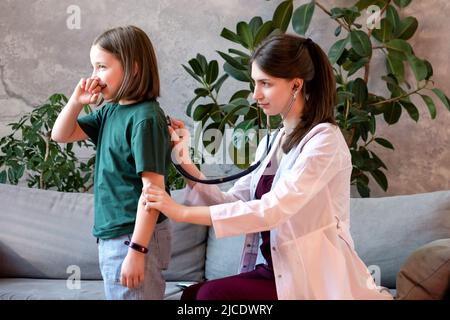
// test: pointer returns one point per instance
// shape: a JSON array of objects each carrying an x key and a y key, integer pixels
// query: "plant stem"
[
  {"x": 346, "y": 27},
  {"x": 210, "y": 94},
  {"x": 396, "y": 98},
  {"x": 369, "y": 34}
]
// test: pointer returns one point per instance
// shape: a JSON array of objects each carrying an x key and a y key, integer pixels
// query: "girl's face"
[
  {"x": 109, "y": 69},
  {"x": 272, "y": 94}
]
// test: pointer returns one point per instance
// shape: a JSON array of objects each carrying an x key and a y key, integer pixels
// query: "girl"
[
  {"x": 297, "y": 201},
  {"x": 133, "y": 148}
]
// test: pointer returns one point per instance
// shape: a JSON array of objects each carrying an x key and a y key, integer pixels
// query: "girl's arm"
[
  {"x": 66, "y": 128},
  {"x": 155, "y": 197},
  {"x": 133, "y": 266}
]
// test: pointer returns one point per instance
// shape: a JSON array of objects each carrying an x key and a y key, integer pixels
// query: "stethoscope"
[{"x": 269, "y": 143}]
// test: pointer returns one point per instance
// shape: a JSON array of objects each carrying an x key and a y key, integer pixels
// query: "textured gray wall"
[{"x": 40, "y": 55}]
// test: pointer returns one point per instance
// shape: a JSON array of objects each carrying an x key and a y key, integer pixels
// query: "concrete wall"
[{"x": 40, "y": 55}]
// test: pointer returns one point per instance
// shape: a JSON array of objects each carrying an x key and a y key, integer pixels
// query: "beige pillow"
[{"x": 426, "y": 273}]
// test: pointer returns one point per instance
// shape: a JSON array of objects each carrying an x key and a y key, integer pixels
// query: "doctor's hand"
[
  {"x": 179, "y": 137},
  {"x": 157, "y": 198}
]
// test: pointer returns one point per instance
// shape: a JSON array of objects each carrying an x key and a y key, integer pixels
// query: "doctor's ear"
[{"x": 297, "y": 86}]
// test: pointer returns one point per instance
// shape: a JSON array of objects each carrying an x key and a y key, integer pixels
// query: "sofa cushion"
[
  {"x": 426, "y": 273},
  {"x": 187, "y": 262},
  {"x": 57, "y": 289},
  {"x": 50, "y": 289},
  {"x": 43, "y": 233},
  {"x": 387, "y": 230},
  {"x": 222, "y": 255}
]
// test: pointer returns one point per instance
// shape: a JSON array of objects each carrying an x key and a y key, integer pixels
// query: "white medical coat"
[{"x": 307, "y": 211}]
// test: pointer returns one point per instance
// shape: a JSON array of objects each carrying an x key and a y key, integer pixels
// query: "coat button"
[
  {"x": 279, "y": 276},
  {"x": 274, "y": 248},
  {"x": 249, "y": 245}
]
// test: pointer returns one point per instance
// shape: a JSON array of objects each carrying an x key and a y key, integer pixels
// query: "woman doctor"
[{"x": 297, "y": 201}]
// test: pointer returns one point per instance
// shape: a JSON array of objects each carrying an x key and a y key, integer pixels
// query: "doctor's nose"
[{"x": 257, "y": 95}]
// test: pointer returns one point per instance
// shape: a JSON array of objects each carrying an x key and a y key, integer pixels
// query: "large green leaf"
[
  {"x": 418, "y": 66},
  {"x": 380, "y": 178},
  {"x": 395, "y": 66},
  {"x": 392, "y": 16},
  {"x": 282, "y": 15},
  {"x": 363, "y": 189},
  {"x": 401, "y": 46},
  {"x": 203, "y": 63},
  {"x": 364, "y": 4},
  {"x": 240, "y": 94},
  {"x": 232, "y": 61},
  {"x": 3, "y": 177},
  {"x": 239, "y": 53},
  {"x": 430, "y": 105},
  {"x": 392, "y": 113},
  {"x": 336, "y": 50},
  {"x": 201, "y": 92},
  {"x": 411, "y": 109},
  {"x": 407, "y": 28},
  {"x": 236, "y": 74},
  {"x": 233, "y": 110},
  {"x": 245, "y": 34},
  {"x": 361, "y": 43},
  {"x": 230, "y": 35},
  {"x": 360, "y": 92},
  {"x": 263, "y": 32},
  {"x": 402, "y": 3},
  {"x": 442, "y": 97},
  {"x": 196, "y": 67},
  {"x": 384, "y": 33},
  {"x": 255, "y": 24},
  {"x": 381, "y": 164},
  {"x": 219, "y": 83},
  {"x": 212, "y": 72},
  {"x": 201, "y": 111},
  {"x": 301, "y": 18},
  {"x": 189, "y": 106},
  {"x": 429, "y": 69},
  {"x": 355, "y": 66}
]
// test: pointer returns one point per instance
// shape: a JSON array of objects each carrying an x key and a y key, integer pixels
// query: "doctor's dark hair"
[
  {"x": 132, "y": 47},
  {"x": 288, "y": 56}
]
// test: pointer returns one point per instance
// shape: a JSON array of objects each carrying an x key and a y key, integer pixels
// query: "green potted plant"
[
  {"x": 357, "y": 109},
  {"x": 29, "y": 152}
]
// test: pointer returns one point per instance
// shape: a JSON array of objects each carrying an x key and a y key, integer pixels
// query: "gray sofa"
[{"x": 46, "y": 246}]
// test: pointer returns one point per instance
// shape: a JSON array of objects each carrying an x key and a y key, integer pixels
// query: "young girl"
[
  {"x": 133, "y": 148},
  {"x": 297, "y": 201}
]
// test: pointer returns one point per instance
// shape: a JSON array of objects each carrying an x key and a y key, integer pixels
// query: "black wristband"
[{"x": 136, "y": 247}]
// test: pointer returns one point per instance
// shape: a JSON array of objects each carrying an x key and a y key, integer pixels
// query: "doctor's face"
[{"x": 272, "y": 94}]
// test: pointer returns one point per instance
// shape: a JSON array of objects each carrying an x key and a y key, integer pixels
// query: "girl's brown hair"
[
  {"x": 134, "y": 49},
  {"x": 288, "y": 56}
]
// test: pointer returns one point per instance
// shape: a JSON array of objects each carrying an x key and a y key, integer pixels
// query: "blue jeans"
[{"x": 112, "y": 253}]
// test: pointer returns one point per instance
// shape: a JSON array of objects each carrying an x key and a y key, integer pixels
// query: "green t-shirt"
[{"x": 130, "y": 139}]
